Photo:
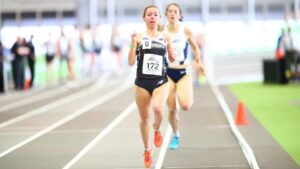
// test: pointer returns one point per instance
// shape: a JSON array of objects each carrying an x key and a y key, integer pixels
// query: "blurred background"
[
  {"x": 69, "y": 39},
  {"x": 250, "y": 47}
]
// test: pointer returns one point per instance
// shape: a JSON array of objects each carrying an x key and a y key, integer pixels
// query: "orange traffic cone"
[{"x": 240, "y": 118}]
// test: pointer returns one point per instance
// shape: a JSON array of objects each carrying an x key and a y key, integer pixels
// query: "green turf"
[
  {"x": 277, "y": 108},
  {"x": 40, "y": 69}
]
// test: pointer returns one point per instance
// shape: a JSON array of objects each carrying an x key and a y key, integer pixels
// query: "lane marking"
[
  {"x": 70, "y": 117},
  {"x": 32, "y": 99},
  {"x": 29, "y": 131},
  {"x": 10, "y": 95},
  {"x": 101, "y": 135},
  {"x": 209, "y": 166},
  {"x": 164, "y": 148},
  {"x": 128, "y": 168},
  {"x": 241, "y": 140},
  {"x": 57, "y": 103}
]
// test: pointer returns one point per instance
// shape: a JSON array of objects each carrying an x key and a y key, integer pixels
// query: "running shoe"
[
  {"x": 148, "y": 158},
  {"x": 158, "y": 140},
  {"x": 174, "y": 143}
]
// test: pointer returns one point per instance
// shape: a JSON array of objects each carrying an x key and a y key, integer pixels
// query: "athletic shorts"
[
  {"x": 150, "y": 84},
  {"x": 49, "y": 58},
  {"x": 177, "y": 74}
]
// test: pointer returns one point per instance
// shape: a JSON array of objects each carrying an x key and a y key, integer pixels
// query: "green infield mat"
[{"x": 277, "y": 108}]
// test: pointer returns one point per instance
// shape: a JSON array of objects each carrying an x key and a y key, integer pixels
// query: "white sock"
[
  {"x": 177, "y": 134},
  {"x": 148, "y": 148}
]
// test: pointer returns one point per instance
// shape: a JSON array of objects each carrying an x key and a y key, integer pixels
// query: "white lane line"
[
  {"x": 32, "y": 99},
  {"x": 241, "y": 140},
  {"x": 54, "y": 132},
  {"x": 209, "y": 166},
  {"x": 164, "y": 148},
  {"x": 38, "y": 97},
  {"x": 70, "y": 117},
  {"x": 11, "y": 94},
  {"x": 128, "y": 168},
  {"x": 57, "y": 103},
  {"x": 102, "y": 134}
]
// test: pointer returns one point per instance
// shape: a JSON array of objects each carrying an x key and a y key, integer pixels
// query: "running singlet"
[
  {"x": 151, "y": 57},
  {"x": 50, "y": 48},
  {"x": 87, "y": 43},
  {"x": 180, "y": 46},
  {"x": 64, "y": 46}
]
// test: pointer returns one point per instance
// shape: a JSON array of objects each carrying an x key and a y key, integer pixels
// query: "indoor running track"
[{"x": 94, "y": 125}]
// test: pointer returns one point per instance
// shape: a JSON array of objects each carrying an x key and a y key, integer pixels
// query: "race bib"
[{"x": 152, "y": 64}]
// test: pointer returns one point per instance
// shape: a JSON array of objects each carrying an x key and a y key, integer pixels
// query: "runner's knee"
[
  {"x": 172, "y": 112},
  {"x": 145, "y": 120},
  {"x": 185, "y": 106},
  {"x": 158, "y": 110}
]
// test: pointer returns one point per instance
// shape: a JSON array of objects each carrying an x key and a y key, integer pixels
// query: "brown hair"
[
  {"x": 180, "y": 11},
  {"x": 160, "y": 27},
  {"x": 150, "y": 6}
]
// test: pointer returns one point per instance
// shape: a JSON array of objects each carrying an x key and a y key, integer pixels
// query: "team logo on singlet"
[
  {"x": 175, "y": 41},
  {"x": 157, "y": 45},
  {"x": 146, "y": 44}
]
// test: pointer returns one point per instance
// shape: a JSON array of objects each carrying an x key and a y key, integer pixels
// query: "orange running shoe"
[
  {"x": 158, "y": 139},
  {"x": 148, "y": 158}
]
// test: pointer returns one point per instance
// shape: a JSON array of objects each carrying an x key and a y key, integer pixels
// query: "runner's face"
[
  {"x": 151, "y": 17},
  {"x": 173, "y": 14}
]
